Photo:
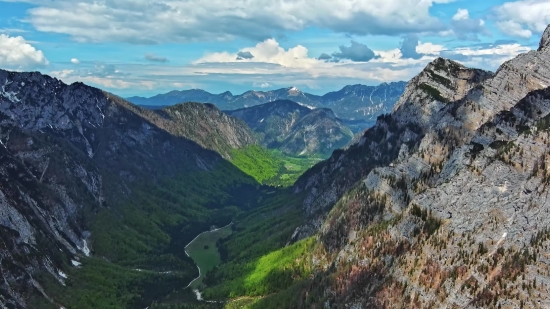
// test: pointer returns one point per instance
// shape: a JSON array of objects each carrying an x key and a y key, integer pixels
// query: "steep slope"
[
  {"x": 208, "y": 126},
  {"x": 443, "y": 204},
  {"x": 358, "y": 102},
  {"x": 93, "y": 188},
  {"x": 364, "y": 102},
  {"x": 295, "y": 129},
  {"x": 318, "y": 132}
]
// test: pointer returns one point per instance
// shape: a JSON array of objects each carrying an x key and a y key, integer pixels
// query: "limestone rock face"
[
  {"x": 545, "y": 40},
  {"x": 453, "y": 213}
]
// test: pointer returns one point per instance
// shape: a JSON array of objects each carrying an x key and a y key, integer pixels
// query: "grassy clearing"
[
  {"x": 204, "y": 251},
  {"x": 271, "y": 167}
]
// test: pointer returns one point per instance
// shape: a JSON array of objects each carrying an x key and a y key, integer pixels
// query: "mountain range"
[
  {"x": 356, "y": 102},
  {"x": 295, "y": 129},
  {"x": 443, "y": 203}
]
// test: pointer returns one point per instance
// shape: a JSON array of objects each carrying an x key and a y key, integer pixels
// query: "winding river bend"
[{"x": 202, "y": 249}]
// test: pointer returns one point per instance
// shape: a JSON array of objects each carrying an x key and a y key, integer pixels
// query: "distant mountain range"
[
  {"x": 295, "y": 129},
  {"x": 355, "y": 102}
]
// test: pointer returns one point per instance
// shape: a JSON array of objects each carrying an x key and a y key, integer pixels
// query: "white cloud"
[
  {"x": 280, "y": 65},
  {"x": 466, "y": 28},
  {"x": 486, "y": 57},
  {"x": 144, "y": 21},
  {"x": 75, "y": 61},
  {"x": 261, "y": 85},
  {"x": 429, "y": 48},
  {"x": 267, "y": 51},
  {"x": 524, "y": 17},
  {"x": 514, "y": 29},
  {"x": 461, "y": 14},
  {"x": 63, "y": 74},
  {"x": 17, "y": 54}
]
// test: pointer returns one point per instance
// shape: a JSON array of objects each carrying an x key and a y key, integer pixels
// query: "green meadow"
[{"x": 204, "y": 251}]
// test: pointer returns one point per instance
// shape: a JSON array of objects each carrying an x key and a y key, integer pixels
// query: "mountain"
[
  {"x": 358, "y": 102},
  {"x": 442, "y": 204},
  {"x": 295, "y": 129},
  {"x": 99, "y": 196},
  {"x": 364, "y": 102},
  {"x": 208, "y": 126}
]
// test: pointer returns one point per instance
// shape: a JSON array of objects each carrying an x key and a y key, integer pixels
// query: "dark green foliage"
[
  {"x": 101, "y": 284},
  {"x": 149, "y": 231},
  {"x": 449, "y": 66},
  {"x": 251, "y": 251},
  {"x": 544, "y": 123},
  {"x": 500, "y": 145},
  {"x": 476, "y": 149},
  {"x": 523, "y": 129},
  {"x": 432, "y": 92},
  {"x": 431, "y": 224},
  {"x": 440, "y": 79}
]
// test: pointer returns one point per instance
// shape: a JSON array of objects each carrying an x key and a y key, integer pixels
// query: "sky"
[{"x": 138, "y": 47}]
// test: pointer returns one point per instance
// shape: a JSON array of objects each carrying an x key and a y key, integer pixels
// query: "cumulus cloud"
[
  {"x": 523, "y": 18},
  {"x": 245, "y": 55},
  {"x": 268, "y": 51},
  {"x": 485, "y": 56},
  {"x": 278, "y": 65},
  {"x": 17, "y": 54},
  {"x": 466, "y": 28},
  {"x": 461, "y": 14},
  {"x": 149, "y": 22},
  {"x": 75, "y": 61},
  {"x": 429, "y": 48},
  {"x": 514, "y": 29},
  {"x": 355, "y": 52},
  {"x": 155, "y": 58},
  {"x": 408, "y": 47},
  {"x": 324, "y": 56}
]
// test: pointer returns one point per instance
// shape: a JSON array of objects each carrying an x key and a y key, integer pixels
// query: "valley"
[
  {"x": 442, "y": 203},
  {"x": 203, "y": 249}
]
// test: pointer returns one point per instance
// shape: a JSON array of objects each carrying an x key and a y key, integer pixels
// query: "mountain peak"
[
  {"x": 442, "y": 64},
  {"x": 545, "y": 40}
]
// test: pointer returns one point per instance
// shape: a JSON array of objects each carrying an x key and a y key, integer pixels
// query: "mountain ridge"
[
  {"x": 358, "y": 102},
  {"x": 294, "y": 128},
  {"x": 443, "y": 203},
  {"x": 85, "y": 193}
]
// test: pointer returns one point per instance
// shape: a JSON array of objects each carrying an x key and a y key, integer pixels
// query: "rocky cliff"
[{"x": 443, "y": 203}]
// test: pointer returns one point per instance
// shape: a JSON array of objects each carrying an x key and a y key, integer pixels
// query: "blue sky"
[{"x": 139, "y": 47}]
